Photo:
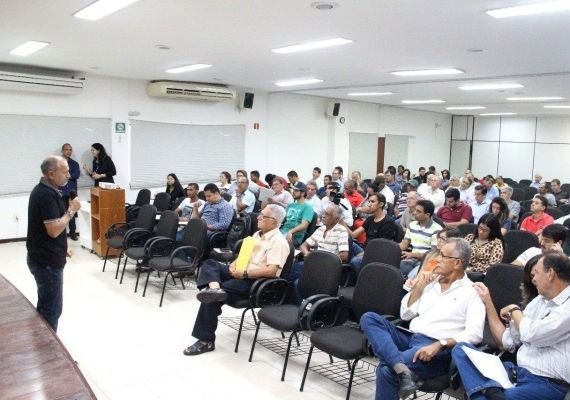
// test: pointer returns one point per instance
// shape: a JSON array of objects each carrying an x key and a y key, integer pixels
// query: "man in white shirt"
[
  {"x": 185, "y": 207},
  {"x": 432, "y": 191},
  {"x": 465, "y": 190},
  {"x": 243, "y": 200},
  {"x": 313, "y": 199},
  {"x": 384, "y": 189},
  {"x": 444, "y": 309},
  {"x": 316, "y": 177},
  {"x": 542, "y": 331},
  {"x": 481, "y": 205},
  {"x": 537, "y": 180}
]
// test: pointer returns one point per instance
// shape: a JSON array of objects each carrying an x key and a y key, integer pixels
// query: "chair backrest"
[
  {"x": 167, "y": 224},
  {"x": 143, "y": 197},
  {"x": 518, "y": 194},
  {"x": 565, "y": 187},
  {"x": 312, "y": 226},
  {"x": 253, "y": 218},
  {"x": 467, "y": 229},
  {"x": 517, "y": 242},
  {"x": 146, "y": 218},
  {"x": 196, "y": 235},
  {"x": 400, "y": 235},
  {"x": 226, "y": 196},
  {"x": 240, "y": 227},
  {"x": 529, "y": 192},
  {"x": 288, "y": 263},
  {"x": 504, "y": 282},
  {"x": 438, "y": 220},
  {"x": 177, "y": 202},
  {"x": 382, "y": 251},
  {"x": 525, "y": 182},
  {"x": 378, "y": 289},
  {"x": 565, "y": 209},
  {"x": 321, "y": 274},
  {"x": 554, "y": 212},
  {"x": 162, "y": 201}
]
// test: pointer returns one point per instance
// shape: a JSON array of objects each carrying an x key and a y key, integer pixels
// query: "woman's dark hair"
[
  {"x": 445, "y": 174},
  {"x": 177, "y": 187},
  {"x": 493, "y": 224},
  {"x": 409, "y": 174},
  {"x": 227, "y": 175},
  {"x": 504, "y": 209},
  {"x": 101, "y": 149},
  {"x": 528, "y": 290}
]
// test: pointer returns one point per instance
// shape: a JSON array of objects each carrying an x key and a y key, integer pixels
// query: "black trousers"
[{"x": 207, "y": 319}]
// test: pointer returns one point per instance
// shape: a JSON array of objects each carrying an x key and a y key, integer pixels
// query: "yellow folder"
[{"x": 245, "y": 252}]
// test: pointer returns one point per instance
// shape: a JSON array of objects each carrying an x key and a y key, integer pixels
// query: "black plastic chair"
[
  {"x": 132, "y": 210},
  {"x": 518, "y": 242},
  {"x": 529, "y": 192},
  {"x": 554, "y": 212},
  {"x": 226, "y": 196},
  {"x": 116, "y": 233},
  {"x": 525, "y": 182},
  {"x": 162, "y": 201},
  {"x": 467, "y": 229},
  {"x": 565, "y": 209},
  {"x": 378, "y": 289},
  {"x": 518, "y": 194},
  {"x": 321, "y": 275}
]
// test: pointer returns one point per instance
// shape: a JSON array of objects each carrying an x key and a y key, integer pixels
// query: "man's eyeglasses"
[
  {"x": 265, "y": 217},
  {"x": 451, "y": 257}
]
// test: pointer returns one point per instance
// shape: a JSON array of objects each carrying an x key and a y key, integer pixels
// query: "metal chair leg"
[
  {"x": 164, "y": 287},
  {"x": 306, "y": 368},
  {"x": 287, "y": 355},
  {"x": 254, "y": 341},
  {"x": 351, "y": 378},
  {"x": 239, "y": 330},
  {"x": 106, "y": 256},
  {"x": 146, "y": 283},
  {"x": 297, "y": 339},
  {"x": 123, "y": 272},
  {"x": 253, "y": 315},
  {"x": 119, "y": 267}
]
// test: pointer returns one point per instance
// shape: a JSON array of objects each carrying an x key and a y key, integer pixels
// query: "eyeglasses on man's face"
[
  {"x": 265, "y": 217},
  {"x": 449, "y": 257}
]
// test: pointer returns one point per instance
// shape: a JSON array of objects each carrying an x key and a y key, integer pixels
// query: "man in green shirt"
[{"x": 298, "y": 215}]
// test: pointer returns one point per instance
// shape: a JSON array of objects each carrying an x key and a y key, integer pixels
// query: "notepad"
[
  {"x": 245, "y": 252},
  {"x": 490, "y": 366}
]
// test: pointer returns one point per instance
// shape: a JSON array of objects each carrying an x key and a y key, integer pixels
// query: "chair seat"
[
  {"x": 283, "y": 318},
  {"x": 347, "y": 293},
  {"x": 115, "y": 242},
  {"x": 163, "y": 263},
  {"x": 437, "y": 384},
  {"x": 236, "y": 301},
  {"x": 344, "y": 342},
  {"x": 135, "y": 253}
]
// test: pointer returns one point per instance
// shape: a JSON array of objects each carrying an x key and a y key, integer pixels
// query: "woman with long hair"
[
  {"x": 225, "y": 181},
  {"x": 103, "y": 168},
  {"x": 500, "y": 209},
  {"x": 406, "y": 175},
  {"x": 174, "y": 188},
  {"x": 487, "y": 244},
  {"x": 444, "y": 179}
]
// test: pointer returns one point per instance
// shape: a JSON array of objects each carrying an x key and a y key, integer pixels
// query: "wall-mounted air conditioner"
[
  {"x": 39, "y": 83},
  {"x": 191, "y": 91}
]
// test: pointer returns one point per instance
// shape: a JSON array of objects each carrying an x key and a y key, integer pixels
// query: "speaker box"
[
  {"x": 333, "y": 109},
  {"x": 248, "y": 100}
]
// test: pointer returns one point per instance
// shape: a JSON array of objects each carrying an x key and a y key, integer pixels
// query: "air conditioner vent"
[{"x": 181, "y": 90}]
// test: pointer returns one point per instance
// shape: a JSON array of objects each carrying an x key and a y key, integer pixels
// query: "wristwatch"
[
  {"x": 70, "y": 214},
  {"x": 443, "y": 343}
]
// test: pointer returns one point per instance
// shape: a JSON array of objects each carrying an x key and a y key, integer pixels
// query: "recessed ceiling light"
[
  {"x": 491, "y": 86},
  {"x": 557, "y": 107},
  {"x": 540, "y": 98},
  {"x": 102, "y": 8},
  {"x": 364, "y": 94},
  {"x": 430, "y": 101},
  {"x": 531, "y": 9},
  {"x": 429, "y": 72},
  {"x": 28, "y": 48},
  {"x": 187, "y": 68},
  {"x": 465, "y": 108},
  {"x": 312, "y": 45},
  {"x": 497, "y": 114},
  {"x": 324, "y": 5},
  {"x": 298, "y": 82}
]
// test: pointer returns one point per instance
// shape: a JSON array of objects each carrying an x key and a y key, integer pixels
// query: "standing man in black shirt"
[
  {"x": 70, "y": 189},
  {"x": 46, "y": 242}
]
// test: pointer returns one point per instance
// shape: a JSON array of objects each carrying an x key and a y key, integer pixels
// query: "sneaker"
[
  {"x": 198, "y": 348},
  {"x": 209, "y": 295}
]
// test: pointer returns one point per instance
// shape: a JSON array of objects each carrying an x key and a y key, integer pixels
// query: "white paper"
[
  {"x": 490, "y": 366},
  {"x": 265, "y": 193}
]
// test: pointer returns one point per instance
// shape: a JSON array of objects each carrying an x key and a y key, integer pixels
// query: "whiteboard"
[
  {"x": 26, "y": 140},
  {"x": 363, "y": 154}
]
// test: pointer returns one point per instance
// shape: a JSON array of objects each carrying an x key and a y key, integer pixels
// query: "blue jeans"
[
  {"x": 407, "y": 266},
  {"x": 392, "y": 346},
  {"x": 529, "y": 386},
  {"x": 49, "y": 281}
]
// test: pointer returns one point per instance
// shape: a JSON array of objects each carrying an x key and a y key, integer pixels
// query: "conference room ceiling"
[{"x": 236, "y": 38}]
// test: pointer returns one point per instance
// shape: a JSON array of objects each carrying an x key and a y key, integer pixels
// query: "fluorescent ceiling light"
[
  {"x": 497, "y": 114},
  {"x": 187, "y": 68},
  {"x": 429, "y": 72},
  {"x": 491, "y": 86},
  {"x": 531, "y": 9},
  {"x": 466, "y": 108},
  {"x": 543, "y": 98},
  {"x": 559, "y": 107},
  {"x": 298, "y": 82},
  {"x": 364, "y": 94},
  {"x": 430, "y": 101},
  {"x": 28, "y": 48},
  {"x": 312, "y": 45},
  {"x": 102, "y": 8}
]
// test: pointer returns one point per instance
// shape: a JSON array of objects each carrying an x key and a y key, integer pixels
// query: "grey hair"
[
  {"x": 278, "y": 212},
  {"x": 461, "y": 250},
  {"x": 337, "y": 212},
  {"x": 508, "y": 189},
  {"x": 312, "y": 183},
  {"x": 50, "y": 164}
]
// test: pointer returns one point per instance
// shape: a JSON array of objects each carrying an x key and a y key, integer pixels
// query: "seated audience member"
[
  {"x": 331, "y": 237},
  {"x": 351, "y": 194},
  {"x": 560, "y": 195},
  {"x": 445, "y": 179},
  {"x": 391, "y": 182},
  {"x": 376, "y": 226},
  {"x": 487, "y": 244},
  {"x": 409, "y": 213},
  {"x": 332, "y": 196},
  {"x": 255, "y": 179},
  {"x": 466, "y": 191},
  {"x": 337, "y": 177},
  {"x": 422, "y": 176},
  {"x": 500, "y": 183},
  {"x": 298, "y": 215},
  {"x": 313, "y": 199},
  {"x": 455, "y": 212},
  {"x": 454, "y": 182},
  {"x": 356, "y": 176},
  {"x": 269, "y": 179},
  {"x": 480, "y": 205},
  {"x": 217, "y": 279},
  {"x": 537, "y": 180},
  {"x": 217, "y": 213},
  {"x": 399, "y": 174},
  {"x": 239, "y": 174},
  {"x": 500, "y": 209},
  {"x": 363, "y": 211},
  {"x": 293, "y": 178},
  {"x": 443, "y": 309},
  {"x": 173, "y": 188},
  {"x": 543, "y": 191},
  {"x": 551, "y": 239},
  {"x": 316, "y": 177},
  {"x": 281, "y": 197},
  {"x": 542, "y": 334},
  {"x": 420, "y": 235},
  {"x": 433, "y": 192},
  {"x": 380, "y": 181},
  {"x": 407, "y": 175},
  {"x": 402, "y": 201},
  {"x": 225, "y": 181},
  {"x": 492, "y": 191},
  {"x": 536, "y": 222},
  {"x": 243, "y": 200},
  {"x": 322, "y": 192},
  {"x": 185, "y": 208},
  {"x": 514, "y": 206}
]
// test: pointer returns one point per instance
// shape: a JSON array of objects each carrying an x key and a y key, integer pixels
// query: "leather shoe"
[
  {"x": 198, "y": 348},
  {"x": 212, "y": 295},
  {"x": 409, "y": 383}
]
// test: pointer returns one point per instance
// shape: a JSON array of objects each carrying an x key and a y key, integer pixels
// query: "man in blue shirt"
[
  {"x": 70, "y": 189},
  {"x": 492, "y": 190},
  {"x": 217, "y": 213}
]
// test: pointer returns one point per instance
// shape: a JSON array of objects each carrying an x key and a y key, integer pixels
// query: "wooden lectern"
[{"x": 107, "y": 208}]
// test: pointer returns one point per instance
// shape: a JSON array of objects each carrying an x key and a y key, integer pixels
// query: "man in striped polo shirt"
[{"x": 421, "y": 236}]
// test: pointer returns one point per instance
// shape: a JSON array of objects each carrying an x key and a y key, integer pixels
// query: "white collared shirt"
[{"x": 458, "y": 313}]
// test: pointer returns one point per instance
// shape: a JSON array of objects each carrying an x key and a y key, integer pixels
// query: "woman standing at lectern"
[{"x": 103, "y": 167}]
